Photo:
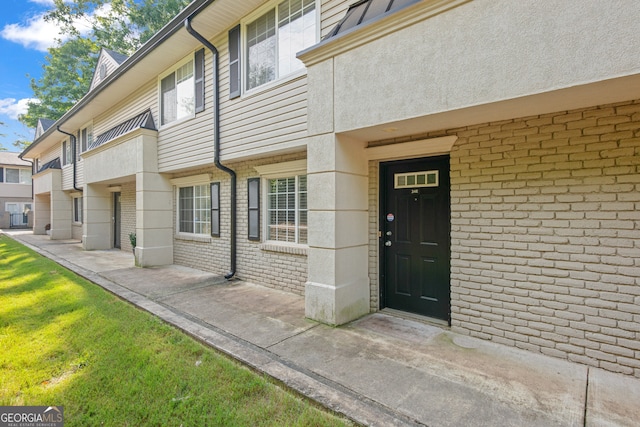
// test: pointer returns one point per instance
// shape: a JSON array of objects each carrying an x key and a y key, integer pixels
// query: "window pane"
[
  {"x": 287, "y": 210},
  {"x": 296, "y": 32},
  {"x": 13, "y": 175},
  {"x": 202, "y": 209},
  {"x": 261, "y": 52},
  {"x": 168, "y": 94},
  {"x": 185, "y": 210},
  {"x": 25, "y": 176},
  {"x": 185, "y": 91}
]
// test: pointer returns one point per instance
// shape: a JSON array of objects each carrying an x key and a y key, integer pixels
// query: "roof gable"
[
  {"x": 42, "y": 126},
  {"x": 108, "y": 61}
]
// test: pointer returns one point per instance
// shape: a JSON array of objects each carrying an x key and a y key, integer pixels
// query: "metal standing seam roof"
[
  {"x": 53, "y": 164},
  {"x": 175, "y": 25},
  {"x": 365, "y": 11},
  {"x": 141, "y": 121}
]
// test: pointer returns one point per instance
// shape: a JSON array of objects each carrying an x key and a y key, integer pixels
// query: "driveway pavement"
[{"x": 384, "y": 369}]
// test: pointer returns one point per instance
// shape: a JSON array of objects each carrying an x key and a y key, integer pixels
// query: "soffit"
[
  {"x": 147, "y": 63},
  {"x": 604, "y": 92}
]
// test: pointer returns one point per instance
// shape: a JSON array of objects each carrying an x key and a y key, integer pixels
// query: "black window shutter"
[
  {"x": 215, "y": 209},
  {"x": 199, "y": 80},
  {"x": 234, "y": 62},
  {"x": 1, "y": 174},
  {"x": 253, "y": 185}
]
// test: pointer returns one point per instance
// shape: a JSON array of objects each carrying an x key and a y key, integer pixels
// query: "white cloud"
[
  {"x": 36, "y": 33},
  {"x": 13, "y": 108}
]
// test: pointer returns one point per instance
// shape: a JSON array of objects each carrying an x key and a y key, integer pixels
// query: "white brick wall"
[
  {"x": 254, "y": 263},
  {"x": 545, "y": 234}
]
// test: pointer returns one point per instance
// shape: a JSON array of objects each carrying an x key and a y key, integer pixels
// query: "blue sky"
[{"x": 24, "y": 38}]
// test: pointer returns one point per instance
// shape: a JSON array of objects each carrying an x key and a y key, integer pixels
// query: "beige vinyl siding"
[
  {"x": 110, "y": 65},
  {"x": 131, "y": 106},
  {"x": 272, "y": 120},
  {"x": 332, "y": 12},
  {"x": 55, "y": 152},
  {"x": 67, "y": 177},
  {"x": 188, "y": 143},
  {"x": 265, "y": 122}
]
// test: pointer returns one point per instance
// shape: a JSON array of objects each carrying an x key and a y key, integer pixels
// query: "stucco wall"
[
  {"x": 480, "y": 52},
  {"x": 128, "y": 214}
]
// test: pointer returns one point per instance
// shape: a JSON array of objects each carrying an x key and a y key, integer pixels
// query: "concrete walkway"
[{"x": 384, "y": 369}]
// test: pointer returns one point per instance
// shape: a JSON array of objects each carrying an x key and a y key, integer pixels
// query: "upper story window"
[
  {"x": 86, "y": 138},
  {"x": 274, "y": 38},
  {"x": 15, "y": 176},
  {"x": 67, "y": 153},
  {"x": 182, "y": 90}
]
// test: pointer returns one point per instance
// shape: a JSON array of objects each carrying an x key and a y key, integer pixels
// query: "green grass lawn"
[{"x": 65, "y": 341}]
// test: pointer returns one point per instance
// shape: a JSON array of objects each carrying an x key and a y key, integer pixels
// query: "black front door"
[
  {"x": 415, "y": 225},
  {"x": 116, "y": 220}
]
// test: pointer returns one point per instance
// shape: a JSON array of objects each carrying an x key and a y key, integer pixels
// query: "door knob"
[{"x": 387, "y": 243}]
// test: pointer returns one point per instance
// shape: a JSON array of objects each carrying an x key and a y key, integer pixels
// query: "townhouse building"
[
  {"x": 15, "y": 191},
  {"x": 474, "y": 162}
]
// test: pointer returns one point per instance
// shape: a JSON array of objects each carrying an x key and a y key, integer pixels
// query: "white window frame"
[
  {"x": 193, "y": 181},
  {"x": 24, "y": 180},
  {"x": 78, "y": 210},
  {"x": 67, "y": 153},
  {"x": 23, "y": 208},
  {"x": 15, "y": 211},
  {"x": 83, "y": 145},
  {"x": 279, "y": 77},
  {"x": 172, "y": 70},
  {"x": 279, "y": 171}
]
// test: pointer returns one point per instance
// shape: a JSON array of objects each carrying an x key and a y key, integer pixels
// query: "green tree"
[{"x": 119, "y": 25}]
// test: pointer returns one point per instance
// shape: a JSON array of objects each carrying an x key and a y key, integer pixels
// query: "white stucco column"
[
  {"x": 337, "y": 290},
  {"x": 42, "y": 212},
  {"x": 61, "y": 213},
  {"x": 97, "y": 230},
  {"x": 154, "y": 220}
]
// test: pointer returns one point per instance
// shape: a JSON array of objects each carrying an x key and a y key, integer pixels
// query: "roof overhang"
[{"x": 168, "y": 46}]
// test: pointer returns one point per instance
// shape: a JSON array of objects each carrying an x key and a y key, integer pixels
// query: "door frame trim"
[
  {"x": 116, "y": 237},
  {"x": 423, "y": 148},
  {"x": 382, "y": 185}
]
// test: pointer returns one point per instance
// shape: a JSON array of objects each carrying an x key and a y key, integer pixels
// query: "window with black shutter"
[
  {"x": 253, "y": 185},
  {"x": 234, "y": 63},
  {"x": 199, "y": 80},
  {"x": 215, "y": 209}
]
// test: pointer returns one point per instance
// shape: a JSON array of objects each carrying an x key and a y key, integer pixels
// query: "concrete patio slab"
[
  {"x": 435, "y": 381},
  {"x": 613, "y": 400},
  {"x": 382, "y": 369}
]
